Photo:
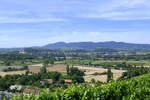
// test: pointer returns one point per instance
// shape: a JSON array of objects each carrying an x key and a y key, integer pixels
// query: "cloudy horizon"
[{"x": 28, "y": 23}]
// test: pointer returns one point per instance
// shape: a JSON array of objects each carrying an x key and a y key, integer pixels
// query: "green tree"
[
  {"x": 68, "y": 69},
  {"x": 93, "y": 80},
  {"x": 7, "y": 63},
  {"x": 25, "y": 67},
  {"x": 75, "y": 71},
  {"x": 77, "y": 79},
  {"x": 52, "y": 61},
  {"x": 46, "y": 62},
  {"x": 109, "y": 75},
  {"x": 43, "y": 69}
]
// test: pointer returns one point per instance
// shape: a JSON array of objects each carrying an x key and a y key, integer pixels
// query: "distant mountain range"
[
  {"x": 119, "y": 46},
  {"x": 93, "y": 45}
]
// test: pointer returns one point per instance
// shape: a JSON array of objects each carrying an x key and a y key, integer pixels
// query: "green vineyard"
[{"x": 135, "y": 89}]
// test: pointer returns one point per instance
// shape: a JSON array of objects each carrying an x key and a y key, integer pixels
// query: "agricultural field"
[
  {"x": 131, "y": 62},
  {"x": 89, "y": 71},
  {"x": 145, "y": 63},
  {"x": 33, "y": 68},
  {"x": 12, "y": 73},
  {"x": 58, "y": 68},
  {"x": 52, "y": 72}
]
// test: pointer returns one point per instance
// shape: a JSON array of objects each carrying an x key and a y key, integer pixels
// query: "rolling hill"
[{"x": 93, "y": 45}]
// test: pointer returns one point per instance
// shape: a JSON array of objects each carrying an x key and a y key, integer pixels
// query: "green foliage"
[
  {"x": 45, "y": 62},
  {"x": 43, "y": 69},
  {"x": 75, "y": 71},
  {"x": 48, "y": 61},
  {"x": 75, "y": 74},
  {"x": 135, "y": 71},
  {"x": 31, "y": 80},
  {"x": 134, "y": 89},
  {"x": 109, "y": 75},
  {"x": 15, "y": 69},
  {"x": 34, "y": 79},
  {"x": 68, "y": 69},
  {"x": 93, "y": 80},
  {"x": 77, "y": 79}
]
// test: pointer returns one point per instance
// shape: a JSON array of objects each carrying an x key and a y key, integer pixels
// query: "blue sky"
[{"x": 26, "y": 23}]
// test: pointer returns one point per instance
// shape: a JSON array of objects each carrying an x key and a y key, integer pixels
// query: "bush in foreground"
[{"x": 134, "y": 89}]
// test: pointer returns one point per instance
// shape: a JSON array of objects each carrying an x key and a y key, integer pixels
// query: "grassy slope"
[{"x": 134, "y": 89}]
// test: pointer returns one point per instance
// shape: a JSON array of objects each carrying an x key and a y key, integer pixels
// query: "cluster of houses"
[
  {"x": 50, "y": 81},
  {"x": 16, "y": 87},
  {"x": 29, "y": 90},
  {"x": 4, "y": 94},
  {"x": 22, "y": 51}
]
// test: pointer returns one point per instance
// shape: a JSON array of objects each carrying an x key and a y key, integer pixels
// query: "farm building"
[
  {"x": 16, "y": 87},
  {"x": 68, "y": 81},
  {"x": 49, "y": 81}
]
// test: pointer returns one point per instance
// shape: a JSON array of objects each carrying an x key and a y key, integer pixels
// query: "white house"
[
  {"x": 22, "y": 51},
  {"x": 16, "y": 87}
]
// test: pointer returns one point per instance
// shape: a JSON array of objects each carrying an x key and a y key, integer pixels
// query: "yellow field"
[
  {"x": 11, "y": 73},
  {"x": 91, "y": 70},
  {"x": 62, "y": 68}
]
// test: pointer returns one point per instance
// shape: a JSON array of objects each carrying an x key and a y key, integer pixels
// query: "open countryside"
[
  {"x": 89, "y": 71},
  {"x": 74, "y": 49}
]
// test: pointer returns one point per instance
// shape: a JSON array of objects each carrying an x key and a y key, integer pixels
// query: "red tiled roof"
[
  {"x": 68, "y": 81},
  {"x": 49, "y": 80}
]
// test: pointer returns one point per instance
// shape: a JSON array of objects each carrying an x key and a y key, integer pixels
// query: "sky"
[{"x": 25, "y": 23}]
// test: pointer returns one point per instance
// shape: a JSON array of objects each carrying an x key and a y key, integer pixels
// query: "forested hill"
[
  {"x": 101, "y": 46},
  {"x": 93, "y": 45}
]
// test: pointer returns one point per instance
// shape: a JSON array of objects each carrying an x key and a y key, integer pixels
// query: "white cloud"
[
  {"x": 122, "y": 10},
  {"x": 69, "y": 16},
  {"x": 58, "y": 10},
  {"x": 30, "y": 20},
  {"x": 126, "y": 15}
]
